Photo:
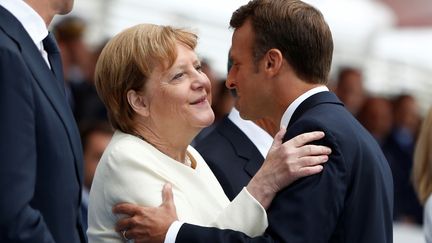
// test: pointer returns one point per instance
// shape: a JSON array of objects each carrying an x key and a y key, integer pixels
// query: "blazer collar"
[
  {"x": 312, "y": 101},
  {"x": 242, "y": 145}
]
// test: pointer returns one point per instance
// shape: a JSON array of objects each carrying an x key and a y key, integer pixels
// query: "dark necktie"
[{"x": 50, "y": 46}]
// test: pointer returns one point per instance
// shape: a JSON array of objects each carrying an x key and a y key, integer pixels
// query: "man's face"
[{"x": 245, "y": 76}]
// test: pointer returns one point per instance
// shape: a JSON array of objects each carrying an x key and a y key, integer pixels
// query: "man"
[
  {"x": 282, "y": 51},
  {"x": 350, "y": 90},
  {"x": 235, "y": 150},
  {"x": 95, "y": 137},
  {"x": 399, "y": 151},
  {"x": 41, "y": 157}
]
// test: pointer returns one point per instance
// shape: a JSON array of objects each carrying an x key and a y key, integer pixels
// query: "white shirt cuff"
[{"x": 172, "y": 232}]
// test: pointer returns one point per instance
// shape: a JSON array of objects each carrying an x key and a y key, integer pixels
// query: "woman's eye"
[
  {"x": 198, "y": 68},
  {"x": 178, "y": 76}
]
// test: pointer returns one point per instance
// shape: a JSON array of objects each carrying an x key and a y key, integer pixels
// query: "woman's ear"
[
  {"x": 273, "y": 61},
  {"x": 138, "y": 103}
]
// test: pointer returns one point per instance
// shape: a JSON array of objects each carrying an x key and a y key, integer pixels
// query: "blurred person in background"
[
  {"x": 157, "y": 107},
  {"x": 225, "y": 101},
  {"x": 95, "y": 136},
  {"x": 349, "y": 89},
  {"x": 422, "y": 173},
  {"x": 69, "y": 32},
  {"x": 236, "y": 148},
  {"x": 41, "y": 154},
  {"x": 214, "y": 82},
  {"x": 399, "y": 150},
  {"x": 377, "y": 117},
  {"x": 78, "y": 65}
]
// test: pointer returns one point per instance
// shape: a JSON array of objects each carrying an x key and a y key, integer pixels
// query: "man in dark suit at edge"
[
  {"x": 282, "y": 52},
  {"x": 236, "y": 145},
  {"x": 41, "y": 157}
]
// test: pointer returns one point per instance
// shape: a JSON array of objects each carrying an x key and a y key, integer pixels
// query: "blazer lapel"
[
  {"x": 243, "y": 146},
  {"x": 45, "y": 79},
  {"x": 314, "y": 100}
]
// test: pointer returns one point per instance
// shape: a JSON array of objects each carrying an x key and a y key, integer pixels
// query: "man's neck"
[{"x": 42, "y": 9}]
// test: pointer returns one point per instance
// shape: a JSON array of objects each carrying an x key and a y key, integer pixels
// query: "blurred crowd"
[{"x": 393, "y": 121}]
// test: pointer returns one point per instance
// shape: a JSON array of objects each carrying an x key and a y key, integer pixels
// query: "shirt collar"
[
  {"x": 291, "y": 108},
  {"x": 258, "y": 136},
  {"x": 29, "y": 18}
]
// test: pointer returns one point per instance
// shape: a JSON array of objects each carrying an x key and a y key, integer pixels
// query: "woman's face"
[{"x": 180, "y": 97}]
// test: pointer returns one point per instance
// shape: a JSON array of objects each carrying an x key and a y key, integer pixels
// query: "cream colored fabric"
[{"x": 132, "y": 170}]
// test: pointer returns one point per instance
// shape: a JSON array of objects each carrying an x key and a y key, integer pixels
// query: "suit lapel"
[
  {"x": 243, "y": 147},
  {"x": 314, "y": 100},
  {"x": 45, "y": 79}
]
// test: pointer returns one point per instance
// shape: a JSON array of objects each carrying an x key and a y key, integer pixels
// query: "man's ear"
[
  {"x": 139, "y": 103},
  {"x": 273, "y": 61}
]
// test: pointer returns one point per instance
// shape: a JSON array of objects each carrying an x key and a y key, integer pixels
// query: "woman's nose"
[{"x": 201, "y": 82}]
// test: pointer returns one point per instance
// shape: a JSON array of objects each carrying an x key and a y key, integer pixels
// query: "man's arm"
[
  {"x": 306, "y": 211},
  {"x": 19, "y": 222},
  {"x": 272, "y": 176}
]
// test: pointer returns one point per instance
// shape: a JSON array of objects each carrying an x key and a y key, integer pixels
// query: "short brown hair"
[
  {"x": 69, "y": 28},
  {"x": 127, "y": 61},
  {"x": 296, "y": 28}
]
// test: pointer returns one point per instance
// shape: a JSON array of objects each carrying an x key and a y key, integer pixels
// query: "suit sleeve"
[
  {"x": 307, "y": 211},
  {"x": 19, "y": 222}
]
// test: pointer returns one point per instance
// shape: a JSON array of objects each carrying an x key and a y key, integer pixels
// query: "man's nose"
[{"x": 230, "y": 82}]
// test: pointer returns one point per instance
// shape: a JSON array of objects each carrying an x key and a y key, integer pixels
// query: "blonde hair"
[
  {"x": 422, "y": 168},
  {"x": 127, "y": 61}
]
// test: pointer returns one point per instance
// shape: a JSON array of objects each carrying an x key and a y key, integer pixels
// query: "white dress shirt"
[
  {"x": 286, "y": 117},
  {"x": 32, "y": 22},
  {"x": 259, "y": 137}
]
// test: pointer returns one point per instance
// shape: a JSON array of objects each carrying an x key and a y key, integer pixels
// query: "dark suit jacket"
[
  {"x": 400, "y": 156},
  {"x": 231, "y": 156},
  {"x": 350, "y": 201},
  {"x": 41, "y": 157}
]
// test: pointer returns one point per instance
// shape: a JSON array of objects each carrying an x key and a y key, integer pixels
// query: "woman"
[
  {"x": 422, "y": 173},
  {"x": 158, "y": 99}
]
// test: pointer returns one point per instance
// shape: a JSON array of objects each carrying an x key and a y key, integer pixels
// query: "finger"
[
  {"x": 307, "y": 171},
  {"x": 305, "y": 138},
  {"x": 277, "y": 141},
  {"x": 125, "y": 208},
  {"x": 127, "y": 234},
  {"x": 132, "y": 234},
  {"x": 123, "y": 224},
  {"x": 309, "y": 161},
  {"x": 167, "y": 195},
  {"x": 308, "y": 150}
]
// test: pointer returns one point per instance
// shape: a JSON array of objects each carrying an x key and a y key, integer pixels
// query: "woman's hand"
[{"x": 287, "y": 162}]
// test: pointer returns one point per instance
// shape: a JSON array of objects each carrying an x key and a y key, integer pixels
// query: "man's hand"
[
  {"x": 287, "y": 162},
  {"x": 147, "y": 224}
]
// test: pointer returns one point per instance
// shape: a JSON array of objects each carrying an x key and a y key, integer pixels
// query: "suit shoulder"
[{"x": 7, "y": 44}]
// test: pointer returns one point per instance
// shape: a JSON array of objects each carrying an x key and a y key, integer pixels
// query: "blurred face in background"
[
  {"x": 351, "y": 92},
  {"x": 93, "y": 150},
  {"x": 407, "y": 114}
]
